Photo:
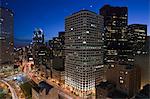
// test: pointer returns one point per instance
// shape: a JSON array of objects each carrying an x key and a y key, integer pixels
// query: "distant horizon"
[{"x": 50, "y": 15}]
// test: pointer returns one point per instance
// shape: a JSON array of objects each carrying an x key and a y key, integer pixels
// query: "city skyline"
[
  {"x": 96, "y": 52},
  {"x": 51, "y": 18}
]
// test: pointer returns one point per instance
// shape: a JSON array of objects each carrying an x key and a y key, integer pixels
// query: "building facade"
[
  {"x": 116, "y": 42},
  {"x": 58, "y": 60},
  {"x": 42, "y": 54},
  {"x": 127, "y": 78},
  {"x": 137, "y": 34},
  {"x": 83, "y": 51},
  {"x": 138, "y": 39},
  {"x": 37, "y": 42},
  {"x": 103, "y": 89},
  {"x": 6, "y": 36},
  {"x": 44, "y": 91},
  {"x": 57, "y": 44}
]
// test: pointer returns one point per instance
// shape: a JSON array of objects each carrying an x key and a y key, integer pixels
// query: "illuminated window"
[
  {"x": 84, "y": 42},
  {"x": 121, "y": 81},
  {"x": 1, "y": 19},
  {"x": 71, "y": 28},
  {"x": 112, "y": 52},
  {"x": 112, "y": 65},
  {"x": 114, "y": 23},
  {"x": 120, "y": 77},
  {"x": 93, "y": 25},
  {"x": 124, "y": 17},
  {"x": 114, "y": 16},
  {"x": 87, "y": 32},
  {"x": 137, "y": 30},
  {"x": 138, "y": 52}
]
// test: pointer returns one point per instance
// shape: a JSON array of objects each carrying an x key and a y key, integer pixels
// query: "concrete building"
[
  {"x": 6, "y": 37},
  {"x": 58, "y": 60},
  {"x": 83, "y": 51},
  {"x": 121, "y": 82},
  {"x": 58, "y": 75},
  {"x": 103, "y": 89},
  {"x": 44, "y": 91},
  {"x": 144, "y": 93},
  {"x": 142, "y": 60},
  {"x": 107, "y": 90},
  {"x": 127, "y": 78}
]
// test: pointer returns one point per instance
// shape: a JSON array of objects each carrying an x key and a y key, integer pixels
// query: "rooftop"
[
  {"x": 81, "y": 11},
  {"x": 106, "y": 85},
  {"x": 116, "y": 94},
  {"x": 4, "y": 8},
  {"x": 43, "y": 85}
]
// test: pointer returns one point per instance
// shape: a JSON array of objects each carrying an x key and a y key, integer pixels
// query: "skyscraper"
[
  {"x": 38, "y": 41},
  {"x": 116, "y": 42},
  {"x": 42, "y": 54},
  {"x": 6, "y": 36},
  {"x": 137, "y": 37},
  {"x": 83, "y": 51},
  {"x": 57, "y": 44}
]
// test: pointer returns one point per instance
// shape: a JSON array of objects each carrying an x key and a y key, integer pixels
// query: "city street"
[
  {"x": 32, "y": 74},
  {"x": 14, "y": 94},
  {"x": 14, "y": 82},
  {"x": 74, "y": 49}
]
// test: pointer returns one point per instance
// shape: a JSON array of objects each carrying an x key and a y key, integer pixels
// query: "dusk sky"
[{"x": 50, "y": 14}]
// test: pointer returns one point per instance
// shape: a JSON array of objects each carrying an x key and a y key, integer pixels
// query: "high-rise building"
[
  {"x": 137, "y": 34},
  {"x": 42, "y": 54},
  {"x": 38, "y": 41},
  {"x": 58, "y": 60},
  {"x": 38, "y": 36},
  {"x": 127, "y": 78},
  {"x": 57, "y": 44},
  {"x": 147, "y": 47},
  {"x": 116, "y": 42},
  {"x": 83, "y": 51},
  {"x": 142, "y": 60},
  {"x": 138, "y": 39},
  {"x": 6, "y": 36}
]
